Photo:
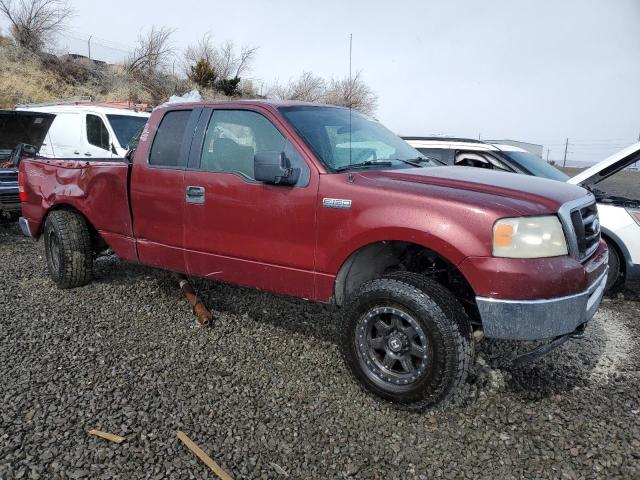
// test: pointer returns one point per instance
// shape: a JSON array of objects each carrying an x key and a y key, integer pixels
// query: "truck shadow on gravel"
[{"x": 572, "y": 365}]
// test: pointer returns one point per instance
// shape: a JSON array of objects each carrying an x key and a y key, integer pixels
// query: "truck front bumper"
[{"x": 540, "y": 319}]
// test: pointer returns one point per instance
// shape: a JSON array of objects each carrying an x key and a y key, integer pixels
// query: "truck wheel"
[
  {"x": 408, "y": 340},
  {"x": 67, "y": 244}
]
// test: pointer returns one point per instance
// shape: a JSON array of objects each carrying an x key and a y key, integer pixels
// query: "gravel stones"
[{"x": 265, "y": 392}]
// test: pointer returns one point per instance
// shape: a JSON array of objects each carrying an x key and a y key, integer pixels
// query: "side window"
[
  {"x": 165, "y": 151},
  {"x": 233, "y": 137},
  {"x": 97, "y": 133}
]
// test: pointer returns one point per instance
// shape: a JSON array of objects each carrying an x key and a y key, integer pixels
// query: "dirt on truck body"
[{"x": 321, "y": 203}]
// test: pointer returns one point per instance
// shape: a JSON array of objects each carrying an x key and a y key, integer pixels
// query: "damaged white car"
[{"x": 619, "y": 216}]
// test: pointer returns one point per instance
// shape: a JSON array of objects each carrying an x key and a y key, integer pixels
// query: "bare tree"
[
  {"x": 353, "y": 93},
  {"x": 34, "y": 22},
  {"x": 306, "y": 88},
  {"x": 153, "y": 51},
  {"x": 203, "y": 49},
  {"x": 225, "y": 60}
]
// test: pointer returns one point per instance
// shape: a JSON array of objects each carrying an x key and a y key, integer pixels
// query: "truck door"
[
  {"x": 238, "y": 229},
  {"x": 157, "y": 191}
]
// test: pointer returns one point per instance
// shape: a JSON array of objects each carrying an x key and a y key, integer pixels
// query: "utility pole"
[
  {"x": 566, "y": 146},
  {"x": 89, "y": 44},
  {"x": 548, "y": 154}
]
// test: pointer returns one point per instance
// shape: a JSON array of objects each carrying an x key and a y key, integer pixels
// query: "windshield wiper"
[
  {"x": 368, "y": 163},
  {"x": 416, "y": 162}
]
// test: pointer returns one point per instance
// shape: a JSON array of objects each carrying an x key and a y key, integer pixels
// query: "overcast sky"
[{"x": 537, "y": 71}]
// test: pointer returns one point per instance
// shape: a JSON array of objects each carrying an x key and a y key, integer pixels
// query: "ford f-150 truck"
[{"x": 322, "y": 203}]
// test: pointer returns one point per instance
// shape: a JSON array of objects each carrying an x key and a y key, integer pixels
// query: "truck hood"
[
  {"x": 607, "y": 167},
  {"x": 526, "y": 194},
  {"x": 23, "y": 127}
]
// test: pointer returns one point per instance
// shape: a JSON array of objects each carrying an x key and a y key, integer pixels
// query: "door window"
[
  {"x": 233, "y": 138},
  {"x": 97, "y": 133},
  {"x": 167, "y": 143}
]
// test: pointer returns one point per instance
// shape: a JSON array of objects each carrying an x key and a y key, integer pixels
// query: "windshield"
[
  {"x": 326, "y": 131},
  {"x": 125, "y": 127},
  {"x": 535, "y": 165}
]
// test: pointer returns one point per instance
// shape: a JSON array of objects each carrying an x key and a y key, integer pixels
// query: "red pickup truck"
[{"x": 322, "y": 203}]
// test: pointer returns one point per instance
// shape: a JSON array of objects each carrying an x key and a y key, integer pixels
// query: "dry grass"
[{"x": 28, "y": 78}]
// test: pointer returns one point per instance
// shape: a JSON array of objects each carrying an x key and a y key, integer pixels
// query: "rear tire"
[
  {"x": 408, "y": 340},
  {"x": 68, "y": 249}
]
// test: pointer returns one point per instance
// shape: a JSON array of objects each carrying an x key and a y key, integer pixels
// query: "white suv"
[{"x": 619, "y": 216}]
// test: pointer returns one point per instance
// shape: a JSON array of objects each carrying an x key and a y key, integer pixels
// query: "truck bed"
[{"x": 98, "y": 188}]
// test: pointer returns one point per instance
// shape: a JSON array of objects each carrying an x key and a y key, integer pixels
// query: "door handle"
[
  {"x": 87, "y": 154},
  {"x": 195, "y": 194}
]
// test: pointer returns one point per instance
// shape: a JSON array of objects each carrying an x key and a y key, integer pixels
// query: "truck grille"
[
  {"x": 586, "y": 225},
  {"x": 10, "y": 199},
  {"x": 7, "y": 176}
]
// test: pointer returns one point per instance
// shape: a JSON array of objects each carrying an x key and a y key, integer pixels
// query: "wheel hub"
[
  {"x": 392, "y": 347},
  {"x": 397, "y": 342}
]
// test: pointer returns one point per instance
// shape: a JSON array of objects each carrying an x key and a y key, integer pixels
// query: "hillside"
[{"x": 29, "y": 78}]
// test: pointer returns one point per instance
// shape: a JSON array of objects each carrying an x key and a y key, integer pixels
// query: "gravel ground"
[{"x": 265, "y": 392}]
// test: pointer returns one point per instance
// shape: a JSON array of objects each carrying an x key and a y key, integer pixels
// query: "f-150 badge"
[{"x": 336, "y": 203}]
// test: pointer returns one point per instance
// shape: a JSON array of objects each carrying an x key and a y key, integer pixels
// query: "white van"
[{"x": 84, "y": 131}]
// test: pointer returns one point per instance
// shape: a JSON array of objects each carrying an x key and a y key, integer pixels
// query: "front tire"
[
  {"x": 408, "y": 340},
  {"x": 67, "y": 242}
]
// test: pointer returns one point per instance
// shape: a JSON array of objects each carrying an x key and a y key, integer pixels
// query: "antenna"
[{"x": 350, "y": 90}]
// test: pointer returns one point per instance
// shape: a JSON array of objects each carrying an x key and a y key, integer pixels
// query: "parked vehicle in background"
[
  {"x": 321, "y": 203},
  {"x": 88, "y": 130},
  {"x": 17, "y": 129},
  {"x": 619, "y": 216}
]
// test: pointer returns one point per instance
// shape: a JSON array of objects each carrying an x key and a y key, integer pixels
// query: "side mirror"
[{"x": 274, "y": 168}]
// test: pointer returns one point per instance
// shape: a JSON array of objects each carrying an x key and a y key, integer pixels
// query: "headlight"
[
  {"x": 635, "y": 214},
  {"x": 529, "y": 237}
]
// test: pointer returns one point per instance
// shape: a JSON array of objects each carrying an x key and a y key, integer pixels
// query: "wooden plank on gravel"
[
  {"x": 215, "y": 468},
  {"x": 107, "y": 436}
]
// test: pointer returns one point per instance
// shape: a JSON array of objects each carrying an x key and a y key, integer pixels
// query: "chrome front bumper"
[{"x": 539, "y": 319}]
